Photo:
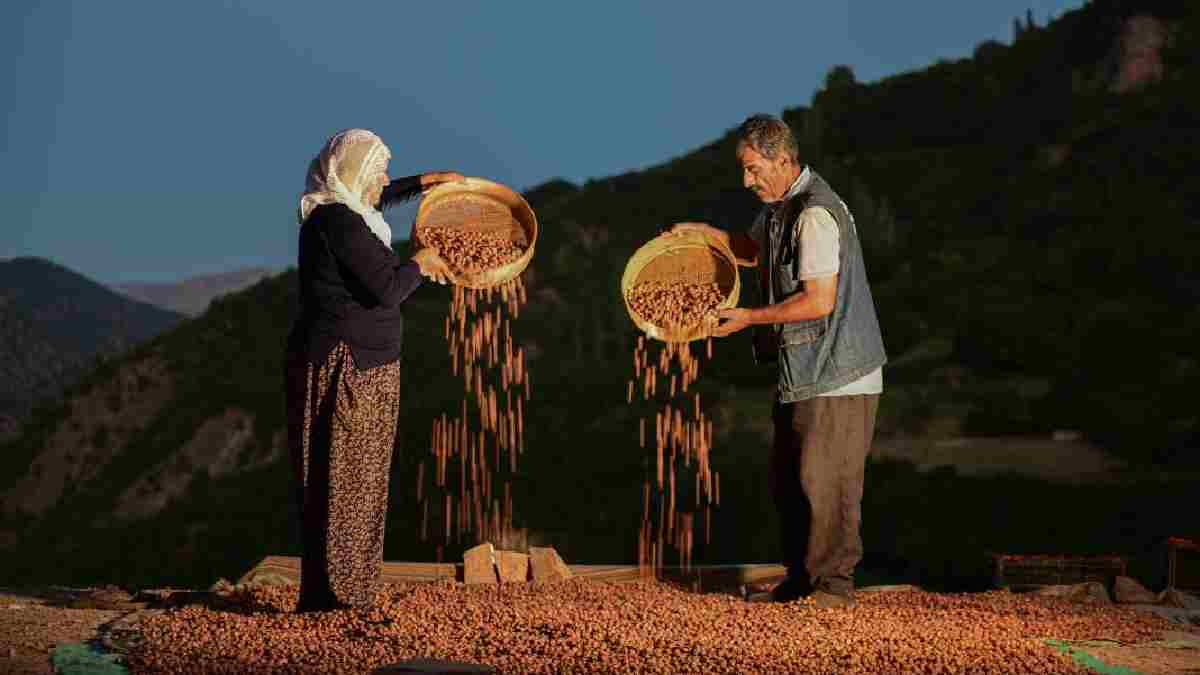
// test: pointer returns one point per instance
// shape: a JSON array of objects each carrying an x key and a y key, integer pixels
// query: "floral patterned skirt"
[{"x": 341, "y": 432}]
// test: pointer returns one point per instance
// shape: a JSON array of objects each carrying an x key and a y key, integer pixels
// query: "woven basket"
[
  {"x": 689, "y": 257},
  {"x": 483, "y": 206}
]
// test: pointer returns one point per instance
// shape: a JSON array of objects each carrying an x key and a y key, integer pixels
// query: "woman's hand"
[
  {"x": 432, "y": 265},
  {"x": 433, "y": 178}
]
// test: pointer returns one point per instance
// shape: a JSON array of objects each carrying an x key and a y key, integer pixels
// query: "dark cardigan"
[{"x": 352, "y": 286}]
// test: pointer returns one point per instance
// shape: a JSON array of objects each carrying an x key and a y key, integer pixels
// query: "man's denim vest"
[{"x": 820, "y": 355}]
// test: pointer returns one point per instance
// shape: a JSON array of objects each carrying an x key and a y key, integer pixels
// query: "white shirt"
[{"x": 820, "y": 246}]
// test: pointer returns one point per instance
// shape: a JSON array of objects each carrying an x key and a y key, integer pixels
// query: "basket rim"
[
  {"x": 676, "y": 241},
  {"x": 514, "y": 200}
]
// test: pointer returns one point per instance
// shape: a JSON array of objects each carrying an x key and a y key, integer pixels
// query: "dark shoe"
[
  {"x": 791, "y": 589},
  {"x": 825, "y": 599}
]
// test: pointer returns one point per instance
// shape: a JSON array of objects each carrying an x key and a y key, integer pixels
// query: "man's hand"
[
  {"x": 432, "y": 265},
  {"x": 703, "y": 228},
  {"x": 732, "y": 319}
]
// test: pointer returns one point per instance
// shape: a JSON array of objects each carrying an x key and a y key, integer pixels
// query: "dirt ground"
[
  {"x": 32, "y": 623},
  {"x": 159, "y": 629},
  {"x": 1068, "y": 461},
  {"x": 1179, "y": 654}
]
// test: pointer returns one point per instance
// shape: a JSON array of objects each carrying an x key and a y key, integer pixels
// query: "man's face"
[{"x": 769, "y": 179}]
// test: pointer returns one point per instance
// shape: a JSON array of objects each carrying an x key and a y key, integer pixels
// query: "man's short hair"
[{"x": 769, "y": 136}]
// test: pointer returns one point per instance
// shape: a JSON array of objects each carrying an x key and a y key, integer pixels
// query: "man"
[{"x": 819, "y": 315}]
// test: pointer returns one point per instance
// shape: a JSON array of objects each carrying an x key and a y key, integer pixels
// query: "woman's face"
[{"x": 373, "y": 192}]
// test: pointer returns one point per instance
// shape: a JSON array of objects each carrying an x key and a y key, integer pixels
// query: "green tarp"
[{"x": 81, "y": 659}]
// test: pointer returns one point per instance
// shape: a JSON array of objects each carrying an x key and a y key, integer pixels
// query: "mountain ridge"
[
  {"x": 190, "y": 296},
  {"x": 55, "y": 322}
]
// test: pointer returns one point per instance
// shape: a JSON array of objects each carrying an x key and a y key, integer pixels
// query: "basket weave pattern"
[
  {"x": 691, "y": 258},
  {"x": 482, "y": 206}
]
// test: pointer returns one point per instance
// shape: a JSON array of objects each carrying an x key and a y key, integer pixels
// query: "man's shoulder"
[{"x": 818, "y": 214}]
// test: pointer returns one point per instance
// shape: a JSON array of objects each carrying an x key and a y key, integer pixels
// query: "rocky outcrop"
[
  {"x": 217, "y": 448},
  {"x": 100, "y": 422}
]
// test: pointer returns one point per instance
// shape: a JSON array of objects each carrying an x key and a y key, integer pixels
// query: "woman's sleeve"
[
  {"x": 374, "y": 265},
  {"x": 400, "y": 190}
]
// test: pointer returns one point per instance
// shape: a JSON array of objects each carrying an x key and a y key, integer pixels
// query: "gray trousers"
[{"x": 816, "y": 476}]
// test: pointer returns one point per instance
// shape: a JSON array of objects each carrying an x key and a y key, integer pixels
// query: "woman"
[{"x": 343, "y": 363}]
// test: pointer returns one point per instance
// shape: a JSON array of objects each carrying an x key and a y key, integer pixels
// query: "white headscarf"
[{"x": 349, "y": 163}]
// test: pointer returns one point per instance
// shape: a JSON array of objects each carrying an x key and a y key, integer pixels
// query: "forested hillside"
[
  {"x": 1029, "y": 234},
  {"x": 54, "y": 324}
]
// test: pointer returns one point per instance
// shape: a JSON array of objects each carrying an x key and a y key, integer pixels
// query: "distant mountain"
[
  {"x": 54, "y": 323},
  {"x": 1030, "y": 238},
  {"x": 192, "y": 296}
]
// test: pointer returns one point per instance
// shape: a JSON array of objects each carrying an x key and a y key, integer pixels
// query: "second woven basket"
[{"x": 688, "y": 257}]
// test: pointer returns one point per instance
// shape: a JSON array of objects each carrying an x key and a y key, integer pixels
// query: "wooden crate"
[
  {"x": 277, "y": 568},
  {"x": 1017, "y": 572}
]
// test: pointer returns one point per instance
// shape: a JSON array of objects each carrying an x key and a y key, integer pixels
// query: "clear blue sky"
[{"x": 158, "y": 139}]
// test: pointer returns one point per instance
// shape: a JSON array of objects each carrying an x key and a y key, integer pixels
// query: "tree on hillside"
[{"x": 836, "y": 105}]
